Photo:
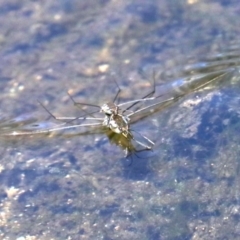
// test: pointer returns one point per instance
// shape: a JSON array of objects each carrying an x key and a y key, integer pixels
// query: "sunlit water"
[{"x": 82, "y": 186}]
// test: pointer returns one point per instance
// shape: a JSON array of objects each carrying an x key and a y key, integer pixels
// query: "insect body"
[
  {"x": 118, "y": 118},
  {"x": 115, "y": 121}
]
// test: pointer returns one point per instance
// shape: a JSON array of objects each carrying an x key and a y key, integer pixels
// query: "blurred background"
[{"x": 83, "y": 187}]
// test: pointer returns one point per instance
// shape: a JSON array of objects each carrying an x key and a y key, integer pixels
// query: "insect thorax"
[
  {"x": 110, "y": 108},
  {"x": 117, "y": 123}
]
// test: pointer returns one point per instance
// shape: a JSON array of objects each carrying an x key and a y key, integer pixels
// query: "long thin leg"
[
  {"x": 54, "y": 129},
  {"x": 71, "y": 119},
  {"x": 86, "y": 104},
  {"x": 94, "y": 105},
  {"x": 146, "y": 96},
  {"x": 144, "y": 137},
  {"x": 82, "y": 104},
  {"x": 118, "y": 92}
]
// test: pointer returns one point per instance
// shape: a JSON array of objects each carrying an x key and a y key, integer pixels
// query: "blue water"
[{"x": 82, "y": 186}]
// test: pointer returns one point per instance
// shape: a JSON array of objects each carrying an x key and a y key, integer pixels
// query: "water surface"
[{"x": 83, "y": 187}]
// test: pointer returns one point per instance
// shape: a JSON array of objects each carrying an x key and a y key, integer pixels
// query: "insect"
[
  {"x": 117, "y": 119},
  {"x": 114, "y": 118},
  {"x": 110, "y": 117}
]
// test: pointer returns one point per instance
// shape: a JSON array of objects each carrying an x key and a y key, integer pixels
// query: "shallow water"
[{"x": 82, "y": 187}]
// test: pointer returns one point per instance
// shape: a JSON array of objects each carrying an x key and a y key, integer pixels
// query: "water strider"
[
  {"x": 113, "y": 118},
  {"x": 117, "y": 119}
]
